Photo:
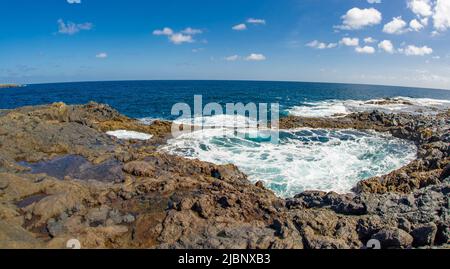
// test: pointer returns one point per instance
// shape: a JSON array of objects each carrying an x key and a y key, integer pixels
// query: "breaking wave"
[{"x": 336, "y": 108}]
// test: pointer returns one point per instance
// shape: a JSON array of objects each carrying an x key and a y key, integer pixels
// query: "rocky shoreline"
[{"x": 62, "y": 177}]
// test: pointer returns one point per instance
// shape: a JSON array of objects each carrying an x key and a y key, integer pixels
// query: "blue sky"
[{"x": 394, "y": 42}]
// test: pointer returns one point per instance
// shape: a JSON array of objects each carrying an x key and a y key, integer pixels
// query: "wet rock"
[
  {"x": 424, "y": 235},
  {"x": 393, "y": 238},
  {"x": 259, "y": 184}
]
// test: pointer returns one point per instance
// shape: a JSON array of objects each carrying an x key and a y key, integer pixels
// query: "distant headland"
[{"x": 11, "y": 86}]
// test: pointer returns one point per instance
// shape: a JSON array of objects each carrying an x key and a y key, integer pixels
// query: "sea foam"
[
  {"x": 338, "y": 108},
  {"x": 126, "y": 135},
  {"x": 304, "y": 159}
]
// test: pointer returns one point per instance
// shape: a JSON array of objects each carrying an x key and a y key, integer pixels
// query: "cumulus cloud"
[
  {"x": 357, "y": 18},
  {"x": 185, "y": 36},
  {"x": 240, "y": 27},
  {"x": 71, "y": 28},
  {"x": 232, "y": 58},
  {"x": 74, "y": 1},
  {"x": 351, "y": 42},
  {"x": 101, "y": 55},
  {"x": 387, "y": 46},
  {"x": 256, "y": 21},
  {"x": 321, "y": 45},
  {"x": 441, "y": 16},
  {"x": 396, "y": 26},
  {"x": 255, "y": 57},
  {"x": 369, "y": 40},
  {"x": 165, "y": 31},
  {"x": 179, "y": 38},
  {"x": 365, "y": 50},
  {"x": 421, "y": 8},
  {"x": 415, "y": 25},
  {"x": 412, "y": 50}
]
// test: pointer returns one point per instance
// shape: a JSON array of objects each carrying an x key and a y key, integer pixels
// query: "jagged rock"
[
  {"x": 445, "y": 172},
  {"x": 424, "y": 235},
  {"x": 139, "y": 168},
  {"x": 54, "y": 227},
  {"x": 97, "y": 216},
  {"x": 165, "y": 201},
  {"x": 393, "y": 238}
]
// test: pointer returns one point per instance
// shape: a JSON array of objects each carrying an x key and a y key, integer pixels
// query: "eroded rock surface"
[{"x": 110, "y": 193}]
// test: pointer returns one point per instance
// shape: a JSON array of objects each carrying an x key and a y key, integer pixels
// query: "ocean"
[
  {"x": 304, "y": 159},
  {"x": 154, "y": 99}
]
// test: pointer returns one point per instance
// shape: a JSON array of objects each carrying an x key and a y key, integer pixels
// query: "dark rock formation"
[{"x": 165, "y": 201}]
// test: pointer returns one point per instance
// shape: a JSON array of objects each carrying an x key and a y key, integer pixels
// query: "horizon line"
[{"x": 237, "y": 80}]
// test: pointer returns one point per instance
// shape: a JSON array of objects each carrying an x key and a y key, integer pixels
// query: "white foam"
[
  {"x": 303, "y": 160},
  {"x": 148, "y": 120},
  {"x": 225, "y": 120},
  {"x": 126, "y": 135},
  {"x": 336, "y": 108}
]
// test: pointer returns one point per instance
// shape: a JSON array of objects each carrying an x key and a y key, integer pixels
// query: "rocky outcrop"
[{"x": 62, "y": 177}]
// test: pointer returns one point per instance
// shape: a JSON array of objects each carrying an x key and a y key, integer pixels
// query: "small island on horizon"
[{"x": 11, "y": 85}]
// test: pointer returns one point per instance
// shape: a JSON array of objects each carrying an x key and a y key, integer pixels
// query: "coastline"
[
  {"x": 157, "y": 200},
  {"x": 8, "y": 86}
]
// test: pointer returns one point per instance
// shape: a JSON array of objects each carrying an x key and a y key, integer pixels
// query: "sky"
[{"x": 386, "y": 42}]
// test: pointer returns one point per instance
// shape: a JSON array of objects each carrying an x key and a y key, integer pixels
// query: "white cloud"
[
  {"x": 412, "y": 50},
  {"x": 415, "y": 25},
  {"x": 357, "y": 18},
  {"x": 71, "y": 28},
  {"x": 255, "y": 57},
  {"x": 101, "y": 55},
  {"x": 74, "y": 1},
  {"x": 386, "y": 45},
  {"x": 240, "y": 27},
  {"x": 396, "y": 26},
  {"x": 191, "y": 31},
  {"x": 421, "y": 8},
  {"x": 441, "y": 15},
  {"x": 351, "y": 42},
  {"x": 369, "y": 40},
  {"x": 256, "y": 21},
  {"x": 321, "y": 45},
  {"x": 165, "y": 31},
  {"x": 232, "y": 58},
  {"x": 365, "y": 50},
  {"x": 374, "y": 1},
  {"x": 184, "y": 36},
  {"x": 179, "y": 38}
]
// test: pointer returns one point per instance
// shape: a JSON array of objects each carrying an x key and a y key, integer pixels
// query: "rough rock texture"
[{"x": 48, "y": 196}]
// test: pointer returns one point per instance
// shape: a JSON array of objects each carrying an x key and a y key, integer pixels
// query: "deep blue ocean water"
[{"x": 154, "y": 99}]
